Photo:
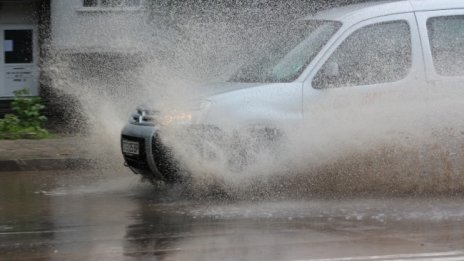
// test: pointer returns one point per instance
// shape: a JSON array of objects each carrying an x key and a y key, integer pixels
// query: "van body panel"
[{"x": 358, "y": 12}]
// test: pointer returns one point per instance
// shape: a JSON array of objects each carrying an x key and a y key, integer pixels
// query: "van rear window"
[{"x": 446, "y": 35}]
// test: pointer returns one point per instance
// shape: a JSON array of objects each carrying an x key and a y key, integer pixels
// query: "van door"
[
  {"x": 370, "y": 82},
  {"x": 18, "y": 60},
  {"x": 442, "y": 35}
]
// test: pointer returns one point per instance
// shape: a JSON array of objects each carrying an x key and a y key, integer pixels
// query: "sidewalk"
[{"x": 47, "y": 154}]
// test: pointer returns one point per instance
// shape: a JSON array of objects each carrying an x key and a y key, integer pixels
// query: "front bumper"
[{"x": 154, "y": 160}]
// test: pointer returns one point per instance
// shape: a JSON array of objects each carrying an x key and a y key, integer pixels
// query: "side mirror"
[{"x": 331, "y": 70}]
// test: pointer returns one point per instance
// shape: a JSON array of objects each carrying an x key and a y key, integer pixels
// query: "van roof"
[{"x": 368, "y": 10}]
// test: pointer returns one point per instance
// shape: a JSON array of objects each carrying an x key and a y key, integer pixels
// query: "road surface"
[{"x": 100, "y": 216}]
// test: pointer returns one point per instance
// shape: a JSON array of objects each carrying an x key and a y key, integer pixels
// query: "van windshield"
[{"x": 286, "y": 51}]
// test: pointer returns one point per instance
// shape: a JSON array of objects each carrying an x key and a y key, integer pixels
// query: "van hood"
[
  {"x": 213, "y": 89},
  {"x": 203, "y": 92}
]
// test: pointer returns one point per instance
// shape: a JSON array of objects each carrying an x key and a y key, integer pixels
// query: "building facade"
[{"x": 22, "y": 25}]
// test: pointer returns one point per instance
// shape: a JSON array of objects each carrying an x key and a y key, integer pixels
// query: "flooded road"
[{"x": 95, "y": 216}]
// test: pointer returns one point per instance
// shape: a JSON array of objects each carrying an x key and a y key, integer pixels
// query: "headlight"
[{"x": 193, "y": 113}]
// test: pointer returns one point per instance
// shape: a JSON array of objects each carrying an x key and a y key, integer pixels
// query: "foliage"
[{"x": 26, "y": 122}]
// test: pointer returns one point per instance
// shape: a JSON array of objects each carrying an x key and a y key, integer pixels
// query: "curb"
[{"x": 46, "y": 164}]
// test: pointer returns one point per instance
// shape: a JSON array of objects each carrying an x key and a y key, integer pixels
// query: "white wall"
[{"x": 82, "y": 29}]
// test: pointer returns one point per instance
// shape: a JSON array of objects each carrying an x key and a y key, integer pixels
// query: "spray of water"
[{"x": 403, "y": 143}]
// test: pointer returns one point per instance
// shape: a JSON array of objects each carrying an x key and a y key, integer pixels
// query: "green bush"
[{"x": 26, "y": 122}]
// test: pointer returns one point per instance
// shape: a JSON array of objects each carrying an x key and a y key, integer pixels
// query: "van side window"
[
  {"x": 378, "y": 53},
  {"x": 446, "y": 36}
]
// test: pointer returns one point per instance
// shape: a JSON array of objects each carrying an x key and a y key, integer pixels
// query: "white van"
[{"x": 369, "y": 50}]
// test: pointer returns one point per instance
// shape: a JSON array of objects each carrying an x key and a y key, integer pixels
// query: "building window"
[
  {"x": 112, "y": 3},
  {"x": 18, "y": 46}
]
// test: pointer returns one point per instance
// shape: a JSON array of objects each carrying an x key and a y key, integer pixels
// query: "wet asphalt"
[{"x": 100, "y": 216}]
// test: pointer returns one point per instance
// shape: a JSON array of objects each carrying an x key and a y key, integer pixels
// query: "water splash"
[{"x": 389, "y": 147}]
